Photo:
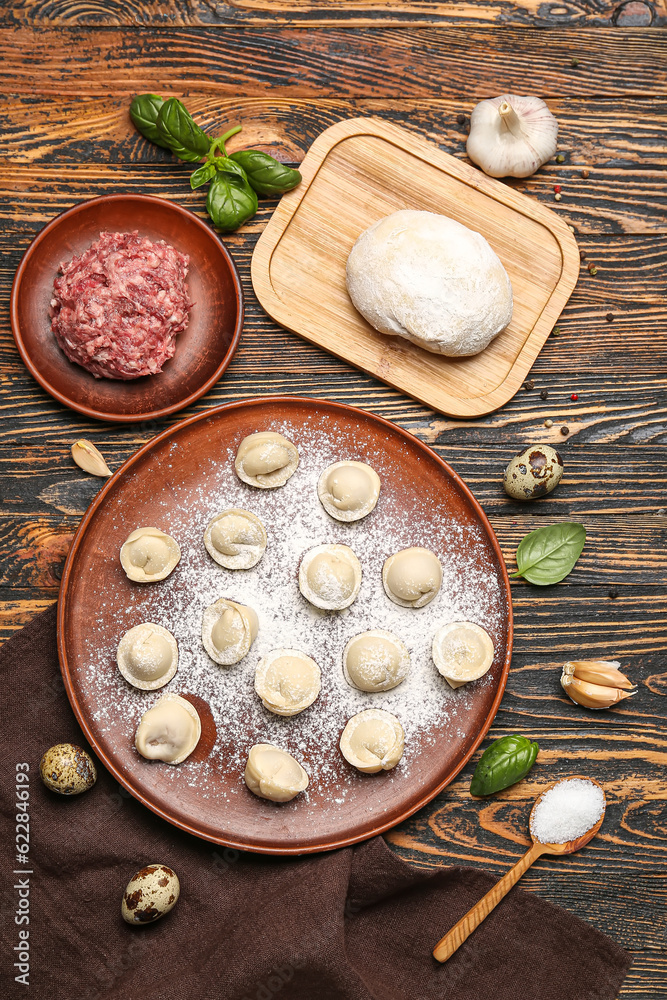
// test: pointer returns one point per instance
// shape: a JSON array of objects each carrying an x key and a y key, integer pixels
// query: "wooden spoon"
[{"x": 453, "y": 940}]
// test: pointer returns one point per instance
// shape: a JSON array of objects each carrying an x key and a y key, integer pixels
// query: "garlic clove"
[
  {"x": 596, "y": 696},
  {"x": 599, "y": 672},
  {"x": 511, "y": 136},
  {"x": 88, "y": 458}
]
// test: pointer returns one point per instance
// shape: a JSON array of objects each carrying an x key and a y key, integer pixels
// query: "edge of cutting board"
[{"x": 438, "y": 399}]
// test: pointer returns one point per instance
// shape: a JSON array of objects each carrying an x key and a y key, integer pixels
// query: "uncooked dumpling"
[
  {"x": 168, "y": 731},
  {"x": 272, "y": 773},
  {"x": 266, "y": 460},
  {"x": 148, "y": 555},
  {"x": 462, "y": 652},
  {"x": 349, "y": 490},
  {"x": 375, "y": 661},
  {"x": 373, "y": 741},
  {"x": 430, "y": 280},
  {"x": 147, "y": 656},
  {"x": 287, "y": 681},
  {"x": 412, "y": 577},
  {"x": 236, "y": 539},
  {"x": 228, "y": 631},
  {"x": 330, "y": 576}
]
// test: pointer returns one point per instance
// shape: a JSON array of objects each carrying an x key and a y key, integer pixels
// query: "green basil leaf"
[
  {"x": 265, "y": 174},
  {"x": 144, "y": 110},
  {"x": 180, "y": 133},
  {"x": 230, "y": 201},
  {"x": 202, "y": 175},
  {"x": 548, "y": 554},
  {"x": 505, "y": 762}
]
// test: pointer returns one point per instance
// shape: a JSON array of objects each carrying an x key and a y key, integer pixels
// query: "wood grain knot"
[{"x": 633, "y": 14}]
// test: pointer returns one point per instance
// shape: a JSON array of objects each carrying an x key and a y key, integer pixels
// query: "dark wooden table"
[{"x": 286, "y": 71}]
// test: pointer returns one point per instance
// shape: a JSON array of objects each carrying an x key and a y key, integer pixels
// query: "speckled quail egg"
[
  {"x": 67, "y": 769},
  {"x": 150, "y": 894},
  {"x": 533, "y": 473}
]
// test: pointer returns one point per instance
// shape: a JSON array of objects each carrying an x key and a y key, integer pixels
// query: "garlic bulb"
[{"x": 511, "y": 136}]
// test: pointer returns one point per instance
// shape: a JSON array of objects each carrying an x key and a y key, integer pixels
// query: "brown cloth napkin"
[{"x": 353, "y": 924}]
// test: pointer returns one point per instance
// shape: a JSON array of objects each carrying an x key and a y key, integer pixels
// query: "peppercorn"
[
  {"x": 544, "y": 394},
  {"x": 528, "y": 385},
  {"x": 609, "y": 317},
  {"x": 613, "y": 593},
  {"x": 461, "y": 119},
  {"x": 560, "y": 158},
  {"x": 565, "y": 431},
  {"x": 593, "y": 270},
  {"x": 582, "y": 255},
  {"x": 585, "y": 173},
  {"x": 557, "y": 188},
  {"x": 574, "y": 63},
  {"x": 557, "y": 197},
  {"x": 548, "y": 422},
  {"x": 574, "y": 397},
  {"x": 555, "y": 332}
]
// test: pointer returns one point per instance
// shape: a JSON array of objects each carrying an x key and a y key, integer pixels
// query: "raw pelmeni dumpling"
[
  {"x": 375, "y": 661},
  {"x": 349, "y": 490},
  {"x": 430, "y": 280},
  {"x": 228, "y": 631},
  {"x": 266, "y": 460},
  {"x": 373, "y": 741},
  {"x": 168, "y": 731},
  {"x": 148, "y": 555},
  {"x": 272, "y": 773},
  {"x": 412, "y": 577},
  {"x": 330, "y": 577},
  {"x": 462, "y": 652},
  {"x": 236, "y": 539},
  {"x": 287, "y": 681},
  {"x": 147, "y": 656}
]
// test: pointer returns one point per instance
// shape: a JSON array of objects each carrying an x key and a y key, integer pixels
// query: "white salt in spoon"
[{"x": 453, "y": 940}]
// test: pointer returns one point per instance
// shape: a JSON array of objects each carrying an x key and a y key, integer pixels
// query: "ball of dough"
[
  {"x": 266, "y": 460},
  {"x": 375, "y": 661},
  {"x": 272, "y": 773},
  {"x": 228, "y": 630},
  {"x": 235, "y": 538},
  {"x": 427, "y": 278},
  {"x": 168, "y": 731},
  {"x": 287, "y": 681},
  {"x": 147, "y": 656},
  {"x": 462, "y": 652},
  {"x": 349, "y": 490},
  {"x": 373, "y": 741},
  {"x": 412, "y": 577},
  {"x": 330, "y": 577},
  {"x": 148, "y": 554}
]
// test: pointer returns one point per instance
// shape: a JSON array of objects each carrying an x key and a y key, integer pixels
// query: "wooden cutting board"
[{"x": 362, "y": 169}]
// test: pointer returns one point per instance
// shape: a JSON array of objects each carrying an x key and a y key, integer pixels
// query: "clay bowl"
[{"x": 203, "y": 350}]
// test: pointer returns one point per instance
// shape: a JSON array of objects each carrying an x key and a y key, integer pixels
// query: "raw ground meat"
[{"x": 117, "y": 308}]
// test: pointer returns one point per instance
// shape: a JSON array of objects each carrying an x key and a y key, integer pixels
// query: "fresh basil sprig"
[
  {"x": 548, "y": 554},
  {"x": 266, "y": 175},
  {"x": 235, "y": 180},
  {"x": 505, "y": 762}
]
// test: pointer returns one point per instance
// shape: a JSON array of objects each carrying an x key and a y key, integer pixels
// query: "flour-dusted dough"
[
  {"x": 266, "y": 460},
  {"x": 427, "y": 278},
  {"x": 272, "y": 773},
  {"x": 148, "y": 555},
  {"x": 235, "y": 538},
  {"x": 375, "y": 661},
  {"x": 373, "y": 741},
  {"x": 147, "y": 656},
  {"x": 330, "y": 577},
  {"x": 168, "y": 731},
  {"x": 228, "y": 630},
  {"x": 349, "y": 490},
  {"x": 462, "y": 652},
  {"x": 287, "y": 681},
  {"x": 412, "y": 577}
]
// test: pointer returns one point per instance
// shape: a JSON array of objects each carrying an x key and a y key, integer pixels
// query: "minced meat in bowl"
[{"x": 117, "y": 308}]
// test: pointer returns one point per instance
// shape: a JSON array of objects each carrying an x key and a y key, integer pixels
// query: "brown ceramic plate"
[
  {"x": 203, "y": 350},
  {"x": 178, "y": 482}
]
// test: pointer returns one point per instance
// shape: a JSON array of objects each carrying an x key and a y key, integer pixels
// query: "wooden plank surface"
[{"x": 65, "y": 136}]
